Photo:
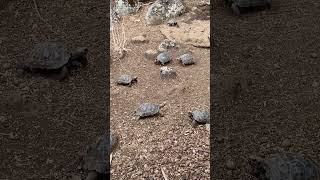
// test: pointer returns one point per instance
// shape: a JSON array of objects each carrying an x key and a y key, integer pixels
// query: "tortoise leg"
[
  {"x": 84, "y": 61},
  {"x": 63, "y": 74},
  {"x": 235, "y": 9},
  {"x": 92, "y": 175},
  {"x": 115, "y": 142},
  {"x": 194, "y": 124}
]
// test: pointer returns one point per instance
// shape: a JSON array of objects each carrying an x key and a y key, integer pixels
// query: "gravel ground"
[
  {"x": 276, "y": 52},
  {"x": 168, "y": 142},
  {"x": 53, "y": 121}
]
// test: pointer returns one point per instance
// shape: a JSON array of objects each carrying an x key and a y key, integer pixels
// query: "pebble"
[
  {"x": 208, "y": 127},
  {"x": 49, "y": 161},
  {"x": 219, "y": 139},
  {"x": 230, "y": 165},
  {"x": 6, "y": 66},
  {"x": 150, "y": 54},
  {"x": 314, "y": 55},
  {"x": 286, "y": 143},
  {"x": 3, "y": 119},
  {"x": 315, "y": 84},
  {"x": 13, "y": 136},
  {"x": 139, "y": 39},
  {"x": 76, "y": 177}
]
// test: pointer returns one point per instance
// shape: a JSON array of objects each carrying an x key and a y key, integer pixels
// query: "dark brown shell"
[
  {"x": 286, "y": 166},
  {"x": 48, "y": 55}
]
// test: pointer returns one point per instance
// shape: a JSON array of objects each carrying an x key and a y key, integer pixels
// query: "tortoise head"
[
  {"x": 80, "y": 55},
  {"x": 134, "y": 79},
  {"x": 257, "y": 168}
]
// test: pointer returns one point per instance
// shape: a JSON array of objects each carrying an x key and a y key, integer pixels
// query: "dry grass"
[{"x": 119, "y": 41}]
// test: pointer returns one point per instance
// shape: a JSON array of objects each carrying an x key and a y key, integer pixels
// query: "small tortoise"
[
  {"x": 284, "y": 166},
  {"x": 199, "y": 117},
  {"x": 95, "y": 161},
  {"x": 166, "y": 72},
  {"x": 147, "y": 109},
  {"x": 126, "y": 80},
  {"x": 172, "y": 22},
  {"x": 163, "y": 58},
  {"x": 51, "y": 58},
  {"x": 186, "y": 59}
]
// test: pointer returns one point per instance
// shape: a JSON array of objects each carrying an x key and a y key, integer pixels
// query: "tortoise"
[
  {"x": 147, "y": 110},
  {"x": 172, "y": 22},
  {"x": 284, "y": 166},
  {"x": 52, "y": 58},
  {"x": 237, "y": 5},
  {"x": 167, "y": 44},
  {"x": 163, "y": 58},
  {"x": 95, "y": 161},
  {"x": 199, "y": 117},
  {"x": 166, "y": 72},
  {"x": 186, "y": 59},
  {"x": 126, "y": 80}
]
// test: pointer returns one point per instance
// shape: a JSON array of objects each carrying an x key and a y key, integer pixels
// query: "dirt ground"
[
  {"x": 279, "y": 52},
  {"x": 51, "y": 122},
  {"x": 168, "y": 142}
]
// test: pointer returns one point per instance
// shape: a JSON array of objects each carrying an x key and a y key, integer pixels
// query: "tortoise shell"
[
  {"x": 49, "y": 55},
  {"x": 147, "y": 109},
  {"x": 163, "y": 58},
  {"x": 285, "y": 166}
]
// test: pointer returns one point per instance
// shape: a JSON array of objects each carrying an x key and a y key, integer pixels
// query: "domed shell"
[
  {"x": 286, "y": 166},
  {"x": 186, "y": 59},
  {"x": 126, "y": 79},
  {"x": 163, "y": 58},
  {"x": 147, "y": 109},
  {"x": 48, "y": 55},
  {"x": 201, "y": 117}
]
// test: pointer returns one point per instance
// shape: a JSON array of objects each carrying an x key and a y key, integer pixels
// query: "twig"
[
  {"x": 69, "y": 123},
  {"x": 41, "y": 18},
  {"x": 164, "y": 174},
  {"x": 110, "y": 158}
]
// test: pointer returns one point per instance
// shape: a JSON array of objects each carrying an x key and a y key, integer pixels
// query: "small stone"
[
  {"x": 315, "y": 84},
  {"x": 286, "y": 143},
  {"x": 208, "y": 127},
  {"x": 3, "y": 119},
  {"x": 151, "y": 54},
  {"x": 166, "y": 72},
  {"x": 75, "y": 177},
  {"x": 161, "y": 49},
  {"x": 314, "y": 55},
  {"x": 194, "y": 8},
  {"x": 13, "y": 136},
  {"x": 230, "y": 164},
  {"x": 49, "y": 161},
  {"x": 139, "y": 39},
  {"x": 276, "y": 66},
  {"x": 6, "y": 66},
  {"x": 259, "y": 48},
  {"x": 219, "y": 139}
]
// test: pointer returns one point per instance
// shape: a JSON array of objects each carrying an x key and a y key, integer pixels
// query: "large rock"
[
  {"x": 163, "y": 10},
  {"x": 124, "y": 7},
  {"x": 197, "y": 33}
]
